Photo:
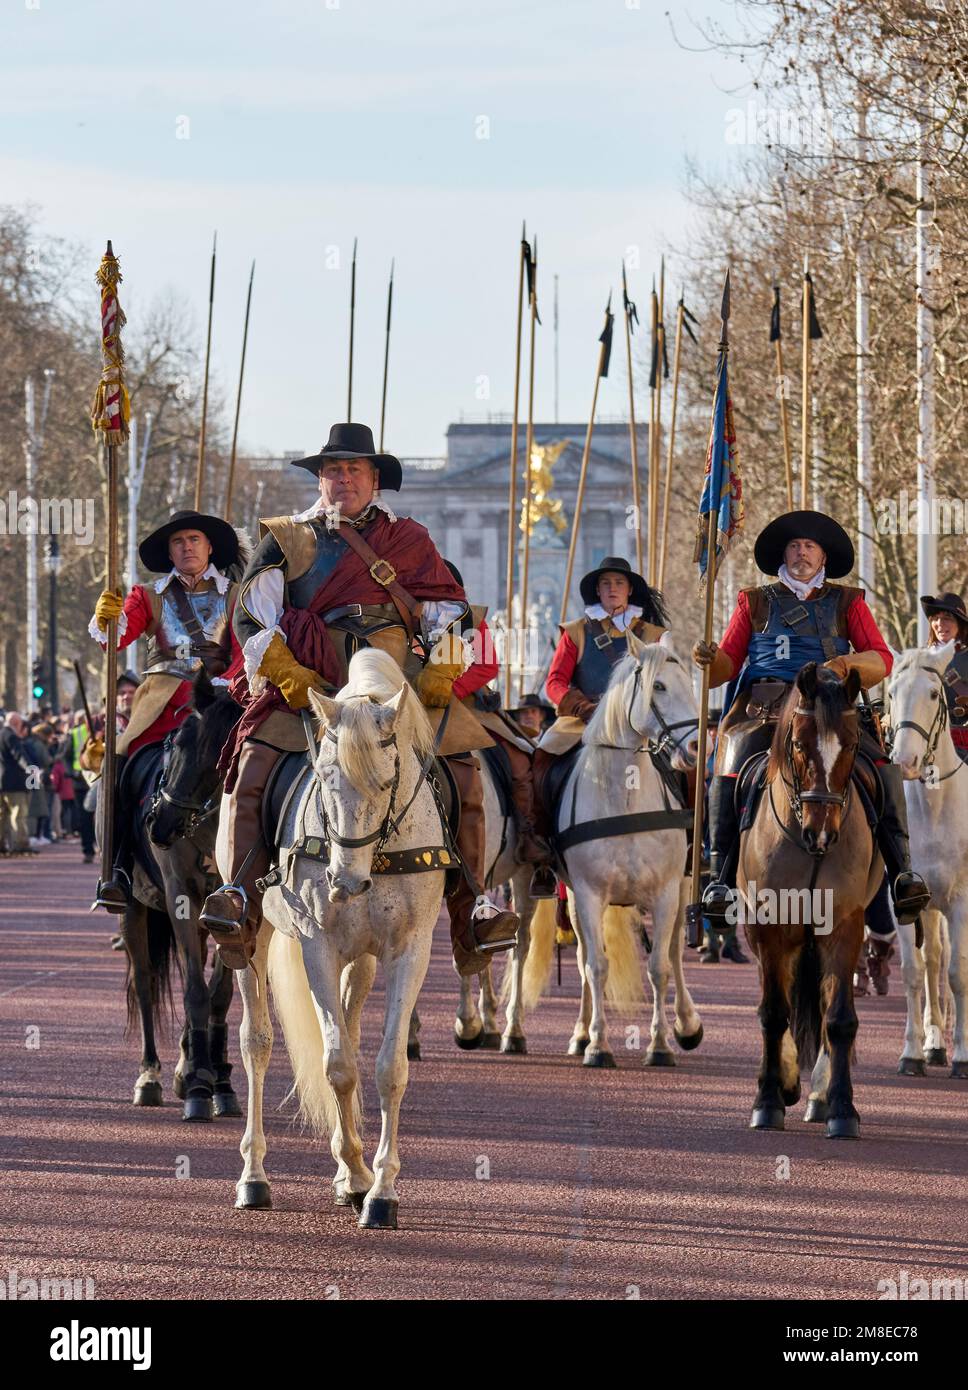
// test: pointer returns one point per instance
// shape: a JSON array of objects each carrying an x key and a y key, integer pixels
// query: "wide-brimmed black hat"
[
  {"x": 531, "y": 702},
  {"x": 944, "y": 603},
  {"x": 615, "y": 564},
  {"x": 129, "y": 678},
  {"x": 355, "y": 442},
  {"x": 225, "y": 543},
  {"x": 811, "y": 526}
]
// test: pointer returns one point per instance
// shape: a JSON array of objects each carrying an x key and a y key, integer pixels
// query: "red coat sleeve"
[
  {"x": 484, "y": 666},
  {"x": 864, "y": 633},
  {"x": 562, "y": 669},
  {"x": 736, "y": 638}
]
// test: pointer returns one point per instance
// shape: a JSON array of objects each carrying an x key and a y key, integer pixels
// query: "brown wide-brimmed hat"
[
  {"x": 355, "y": 442},
  {"x": 806, "y": 525},
  {"x": 225, "y": 543}
]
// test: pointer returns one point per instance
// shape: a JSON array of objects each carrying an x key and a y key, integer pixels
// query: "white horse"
[
  {"x": 936, "y": 790},
  {"x": 335, "y": 915},
  {"x": 649, "y": 702}
]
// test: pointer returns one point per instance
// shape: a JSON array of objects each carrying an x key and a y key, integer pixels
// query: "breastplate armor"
[
  {"x": 174, "y": 652},
  {"x": 330, "y": 549},
  {"x": 594, "y": 667},
  {"x": 813, "y": 632}
]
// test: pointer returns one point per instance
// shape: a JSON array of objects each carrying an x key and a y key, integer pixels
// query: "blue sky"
[{"x": 310, "y": 123}]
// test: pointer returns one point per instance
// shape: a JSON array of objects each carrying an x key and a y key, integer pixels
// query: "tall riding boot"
[
  {"x": 908, "y": 890},
  {"x": 879, "y": 952},
  {"x": 477, "y": 928},
  {"x": 709, "y": 955},
  {"x": 723, "y": 830},
  {"x": 532, "y": 848},
  {"x": 114, "y": 895},
  {"x": 234, "y": 911},
  {"x": 731, "y": 949}
]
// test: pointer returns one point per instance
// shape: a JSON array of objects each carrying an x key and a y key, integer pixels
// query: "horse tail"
[
  {"x": 805, "y": 1015},
  {"x": 624, "y": 989},
  {"x": 304, "y": 1040},
  {"x": 540, "y": 957},
  {"x": 161, "y": 939}
]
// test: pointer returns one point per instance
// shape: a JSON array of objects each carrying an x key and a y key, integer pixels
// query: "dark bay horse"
[
  {"x": 808, "y": 868},
  {"x": 179, "y": 792}
]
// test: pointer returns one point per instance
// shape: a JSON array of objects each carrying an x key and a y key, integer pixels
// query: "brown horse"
[{"x": 808, "y": 868}]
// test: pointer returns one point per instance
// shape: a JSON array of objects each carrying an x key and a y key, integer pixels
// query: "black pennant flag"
[
  {"x": 605, "y": 337},
  {"x": 688, "y": 317},
  {"x": 815, "y": 330},
  {"x": 654, "y": 366},
  {"x": 775, "y": 316},
  {"x": 531, "y": 267},
  {"x": 630, "y": 310}
]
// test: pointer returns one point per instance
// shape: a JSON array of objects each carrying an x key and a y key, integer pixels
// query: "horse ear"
[
  {"x": 852, "y": 686},
  {"x": 203, "y": 692},
  {"x": 397, "y": 704},
  {"x": 635, "y": 645},
  {"x": 807, "y": 680},
  {"x": 328, "y": 710}
]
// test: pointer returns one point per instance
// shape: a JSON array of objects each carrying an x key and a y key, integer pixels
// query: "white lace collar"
[
  {"x": 222, "y": 581},
  {"x": 801, "y": 590},
  {"x": 332, "y": 513},
  {"x": 621, "y": 620}
]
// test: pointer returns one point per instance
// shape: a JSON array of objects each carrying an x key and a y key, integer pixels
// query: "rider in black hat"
[
  {"x": 187, "y": 618},
  {"x": 774, "y": 631}
]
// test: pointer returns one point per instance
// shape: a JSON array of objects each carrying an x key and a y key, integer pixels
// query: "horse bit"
[{"x": 198, "y": 812}]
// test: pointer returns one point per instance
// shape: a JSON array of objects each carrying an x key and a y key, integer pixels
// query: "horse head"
[
  {"x": 919, "y": 710},
  {"x": 187, "y": 793},
  {"x": 369, "y": 731},
  {"x": 650, "y": 697},
  {"x": 816, "y": 741}
]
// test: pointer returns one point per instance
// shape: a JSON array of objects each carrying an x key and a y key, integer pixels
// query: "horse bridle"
[
  {"x": 798, "y": 796},
  {"x": 932, "y": 736},
  {"x": 199, "y": 812},
  {"x": 650, "y": 745}
]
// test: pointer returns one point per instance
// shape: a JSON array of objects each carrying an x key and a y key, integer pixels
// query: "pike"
[
  {"x": 200, "y": 469},
  {"x": 238, "y": 399},
  {"x": 512, "y": 485},
  {"x": 531, "y": 266},
  {"x": 604, "y": 353},
  {"x": 653, "y": 377},
  {"x": 721, "y": 491},
  {"x": 631, "y": 318},
  {"x": 655, "y": 464},
  {"x": 777, "y": 339},
  {"x": 110, "y": 413},
  {"x": 682, "y": 313},
  {"x": 88, "y": 717},
  {"x": 349, "y": 389},
  {"x": 811, "y": 330},
  {"x": 386, "y": 357}
]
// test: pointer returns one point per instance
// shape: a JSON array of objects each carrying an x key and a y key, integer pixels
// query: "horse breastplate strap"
[
  {"x": 193, "y": 631},
  {"x": 599, "y": 654}
]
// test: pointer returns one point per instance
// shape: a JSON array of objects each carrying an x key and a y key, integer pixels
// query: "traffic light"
[{"x": 40, "y": 680}]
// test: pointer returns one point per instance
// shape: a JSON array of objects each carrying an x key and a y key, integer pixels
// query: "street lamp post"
[{"x": 53, "y": 566}]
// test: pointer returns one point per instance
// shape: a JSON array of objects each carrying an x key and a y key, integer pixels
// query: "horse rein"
[
  {"x": 798, "y": 796},
  {"x": 651, "y": 745},
  {"x": 199, "y": 811}
]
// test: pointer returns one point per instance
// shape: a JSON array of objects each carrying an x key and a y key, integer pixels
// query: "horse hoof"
[
  {"x": 514, "y": 1044},
  {"x": 767, "y": 1117},
  {"x": 253, "y": 1194},
  {"x": 959, "y": 1071},
  {"x": 688, "y": 1041},
  {"x": 843, "y": 1127},
  {"x": 658, "y": 1059},
  {"x": 911, "y": 1066},
  {"x": 379, "y": 1214},
  {"x": 198, "y": 1109},
  {"x": 492, "y": 1043},
  {"x": 817, "y": 1112},
  {"x": 342, "y": 1198},
  {"x": 178, "y": 1086},
  {"x": 470, "y": 1044},
  {"x": 577, "y": 1046},
  {"x": 413, "y": 1052},
  {"x": 226, "y": 1103},
  {"x": 936, "y": 1056},
  {"x": 595, "y": 1057},
  {"x": 148, "y": 1094}
]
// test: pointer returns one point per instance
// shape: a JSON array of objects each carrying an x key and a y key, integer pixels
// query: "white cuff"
[
  {"x": 101, "y": 637},
  {"x": 217, "y": 680},
  {"x": 252, "y": 654}
]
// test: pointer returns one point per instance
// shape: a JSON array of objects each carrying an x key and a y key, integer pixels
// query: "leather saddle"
[
  {"x": 136, "y": 791},
  {"x": 499, "y": 766}
]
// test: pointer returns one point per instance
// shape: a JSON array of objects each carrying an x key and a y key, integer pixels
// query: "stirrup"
[
  {"x": 216, "y": 923},
  {"x": 543, "y": 883},
  {"x": 115, "y": 894},
  {"x": 717, "y": 900},
  {"x": 914, "y": 901}
]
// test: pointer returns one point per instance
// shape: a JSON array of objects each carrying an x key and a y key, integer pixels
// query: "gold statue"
[{"x": 543, "y": 459}]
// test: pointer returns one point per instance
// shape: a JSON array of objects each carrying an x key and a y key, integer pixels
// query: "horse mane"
[
  {"x": 829, "y": 707},
  {"x": 374, "y": 678},
  {"x": 609, "y": 723}
]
